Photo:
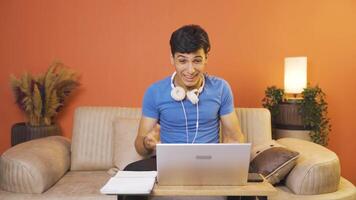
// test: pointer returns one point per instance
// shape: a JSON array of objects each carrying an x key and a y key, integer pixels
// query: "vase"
[{"x": 22, "y": 132}]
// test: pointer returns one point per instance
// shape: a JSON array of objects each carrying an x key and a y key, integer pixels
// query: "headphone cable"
[{"x": 186, "y": 123}]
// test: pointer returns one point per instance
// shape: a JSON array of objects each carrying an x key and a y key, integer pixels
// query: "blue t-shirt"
[{"x": 215, "y": 100}]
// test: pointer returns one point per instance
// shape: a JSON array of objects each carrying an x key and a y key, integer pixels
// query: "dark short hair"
[{"x": 188, "y": 39}]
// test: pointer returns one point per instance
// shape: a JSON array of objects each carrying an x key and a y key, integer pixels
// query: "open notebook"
[{"x": 130, "y": 182}]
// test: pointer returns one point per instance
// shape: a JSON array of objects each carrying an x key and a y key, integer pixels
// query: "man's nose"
[{"x": 191, "y": 68}]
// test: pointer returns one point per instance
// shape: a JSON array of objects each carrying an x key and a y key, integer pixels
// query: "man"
[
  {"x": 189, "y": 106},
  {"x": 189, "y": 47}
]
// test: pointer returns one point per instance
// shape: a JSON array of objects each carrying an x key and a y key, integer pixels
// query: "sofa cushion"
[
  {"x": 34, "y": 166},
  {"x": 92, "y": 136},
  {"x": 273, "y": 161},
  {"x": 74, "y": 185},
  {"x": 78, "y": 185},
  {"x": 124, "y": 134},
  {"x": 317, "y": 170},
  {"x": 255, "y": 124}
]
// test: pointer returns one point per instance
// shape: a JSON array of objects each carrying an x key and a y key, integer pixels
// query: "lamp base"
[{"x": 293, "y": 98}]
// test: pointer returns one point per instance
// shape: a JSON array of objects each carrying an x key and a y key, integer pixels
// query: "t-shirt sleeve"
[
  {"x": 227, "y": 100},
  {"x": 149, "y": 108}
]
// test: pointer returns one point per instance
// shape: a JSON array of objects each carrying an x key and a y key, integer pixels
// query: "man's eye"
[
  {"x": 197, "y": 61},
  {"x": 182, "y": 61}
]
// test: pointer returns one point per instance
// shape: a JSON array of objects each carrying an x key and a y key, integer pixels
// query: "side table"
[{"x": 261, "y": 189}]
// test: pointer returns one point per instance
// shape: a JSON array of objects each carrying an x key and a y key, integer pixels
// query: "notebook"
[{"x": 130, "y": 182}]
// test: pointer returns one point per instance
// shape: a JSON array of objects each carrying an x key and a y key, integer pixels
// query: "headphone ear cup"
[
  {"x": 192, "y": 96},
  {"x": 178, "y": 93}
]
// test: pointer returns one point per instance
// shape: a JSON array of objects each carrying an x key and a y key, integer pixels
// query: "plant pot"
[
  {"x": 289, "y": 117},
  {"x": 21, "y": 132},
  {"x": 289, "y": 122},
  {"x": 283, "y": 133}
]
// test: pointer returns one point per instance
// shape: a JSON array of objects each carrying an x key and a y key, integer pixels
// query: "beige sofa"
[{"x": 55, "y": 168}]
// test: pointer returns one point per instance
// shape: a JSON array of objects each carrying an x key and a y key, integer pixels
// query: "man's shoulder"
[
  {"x": 156, "y": 90},
  {"x": 160, "y": 84},
  {"x": 215, "y": 80}
]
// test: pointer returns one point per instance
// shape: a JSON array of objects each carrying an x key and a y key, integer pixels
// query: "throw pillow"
[
  {"x": 273, "y": 161},
  {"x": 125, "y": 131}
]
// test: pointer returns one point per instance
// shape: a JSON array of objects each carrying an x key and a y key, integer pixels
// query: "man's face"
[{"x": 189, "y": 67}]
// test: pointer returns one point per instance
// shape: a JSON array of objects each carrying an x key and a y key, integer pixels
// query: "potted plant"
[
  {"x": 273, "y": 97},
  {"x": 309, "y": 113},
  {"x": 41, "y": 98}
]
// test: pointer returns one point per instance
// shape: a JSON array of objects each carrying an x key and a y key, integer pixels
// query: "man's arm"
[
  {"x": 147, "y": 136},
  {"x": 231, "y": 132}
]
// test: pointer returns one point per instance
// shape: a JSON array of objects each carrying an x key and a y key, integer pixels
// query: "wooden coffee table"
[{"x": 261, "y": 189}]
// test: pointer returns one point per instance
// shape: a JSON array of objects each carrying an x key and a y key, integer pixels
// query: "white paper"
[{"x": 130, "y": 182}]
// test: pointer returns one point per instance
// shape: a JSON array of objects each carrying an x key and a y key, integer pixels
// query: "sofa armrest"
[
  {"x": 317, "y": 170},
  {"x": 34, "y": 166}
]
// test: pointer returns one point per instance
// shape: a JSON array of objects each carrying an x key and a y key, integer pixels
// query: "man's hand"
[
  {"x": 147, "y": 136},
  {"x": 152, "y": 138}
]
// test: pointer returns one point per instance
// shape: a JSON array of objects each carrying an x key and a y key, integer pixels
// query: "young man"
[
  {"x": 188, "y": 106},
  {"x": 189, "y": 47}
]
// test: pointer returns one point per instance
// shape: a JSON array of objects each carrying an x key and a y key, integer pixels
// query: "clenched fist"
[{"x": 152, "y": 138}]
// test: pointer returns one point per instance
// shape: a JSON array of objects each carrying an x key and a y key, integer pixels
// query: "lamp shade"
[{"x": 295, "y": 74}]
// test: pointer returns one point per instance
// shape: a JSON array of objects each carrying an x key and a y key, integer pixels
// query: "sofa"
[{"x": 102, "y": 142}]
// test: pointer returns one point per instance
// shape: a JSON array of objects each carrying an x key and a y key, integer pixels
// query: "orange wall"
[{"x": 120, "y": 47}]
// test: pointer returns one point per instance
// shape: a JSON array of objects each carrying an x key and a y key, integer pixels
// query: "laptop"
[{"x": 203, "y": 164}]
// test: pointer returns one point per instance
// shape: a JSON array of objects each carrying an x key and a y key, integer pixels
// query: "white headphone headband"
[
  {"x": 178, "y": 93},
  {"x": 173, "y": 86}
]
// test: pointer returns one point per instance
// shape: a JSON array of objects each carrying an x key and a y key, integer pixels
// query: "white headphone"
[{"x": 178, "y": 94}]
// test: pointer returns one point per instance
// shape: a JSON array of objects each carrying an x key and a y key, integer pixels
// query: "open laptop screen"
[{"x": 203, "y": 164}]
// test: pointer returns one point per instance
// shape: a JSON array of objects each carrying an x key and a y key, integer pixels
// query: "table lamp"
[
  {"x": 295, "y": 77},
  {"x": 288, "y": 122}
]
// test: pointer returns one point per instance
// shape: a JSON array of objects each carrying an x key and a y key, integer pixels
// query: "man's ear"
[{"x": 172, "y": 60}]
